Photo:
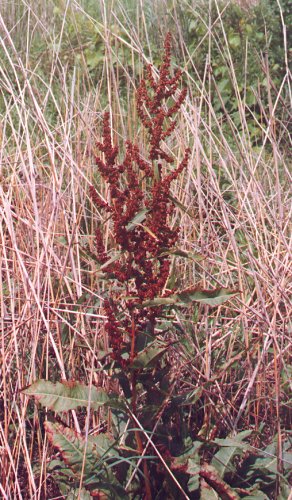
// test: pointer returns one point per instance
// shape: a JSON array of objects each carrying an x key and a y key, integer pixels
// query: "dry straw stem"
[
  {"x": 241, "y": 226},
  {"x": 149, "y": 440}
]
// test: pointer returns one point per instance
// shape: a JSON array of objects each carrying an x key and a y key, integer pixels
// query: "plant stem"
[
  {"x": 132, "y": 354},
  {"x": 139, "y": 440}
]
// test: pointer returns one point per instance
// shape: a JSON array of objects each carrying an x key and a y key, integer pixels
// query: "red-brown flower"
[{"x": 140, "y": 206}]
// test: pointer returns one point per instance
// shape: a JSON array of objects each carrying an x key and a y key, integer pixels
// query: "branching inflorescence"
[{"x": 140, "y": 208}]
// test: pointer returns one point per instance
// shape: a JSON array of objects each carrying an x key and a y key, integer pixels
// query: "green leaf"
[
  {"x": 213, "y": 298},
  {"x": 138, "y": 219},
  {"x": 285, "y": 490},
  {"x": 212, "y": 477},
  {"x": 103, "y": 444},
  {"x": 235, "y": 41},
  {"x": 265, "y": 466},
  {"x": 72, "y": 447},
  {"x": 190, "y": 459},
  {"x": 64, "y": 396},
  {"x": 93, "y": 452},
  {"x": 192, "y": 26},
  {"x": 207, "y": 493},
  {"x": 159, "y": 301},
  {"x": 94, "y": 58},
  {"x": 120, "y": 422},
  {"x": 229, "y": 448},
  {"x": 235, "y": 441},
  {"x": 78, "y": 494},
  {"x": 193, "y": 470},
  {"x": 143, "y": 339},
  {"x": 222, "y": 460},
  {"x": 149, "y": 355},
  {"x": 188, "y": 398},
  {"x": 197, "y": 257},
  {"x": 259, "y": 495},
  {"x": 223, "y": 83}
]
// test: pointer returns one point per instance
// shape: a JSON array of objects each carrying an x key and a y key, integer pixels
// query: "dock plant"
[{"x": 147, "y": 448}]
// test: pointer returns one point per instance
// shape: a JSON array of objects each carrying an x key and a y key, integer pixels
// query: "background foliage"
[{"x": 228, "y": 369}]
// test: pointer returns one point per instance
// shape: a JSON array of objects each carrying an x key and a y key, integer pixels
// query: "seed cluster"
[{"x": 140, "y": 207}]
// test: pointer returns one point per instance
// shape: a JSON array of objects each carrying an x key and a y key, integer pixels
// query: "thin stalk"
[{"x": 138, "y": 438}]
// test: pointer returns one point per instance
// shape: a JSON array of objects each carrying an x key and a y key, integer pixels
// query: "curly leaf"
[
  {"x": 148, "y": 356},
  {"x": 159, "y": 301},
  {"x": 193, "y": 470},
  {"x": 214, "y": 297},
  {"x": 229, "y": 448},
  {"x": 72, "y": 447},
  {"x": 97, "y": 451},
  {"x": 65, "y": 396},
  {"x": 212, "y": 477}
]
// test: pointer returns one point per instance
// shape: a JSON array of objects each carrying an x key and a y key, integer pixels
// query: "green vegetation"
[{"x": 200, "y": 400}]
